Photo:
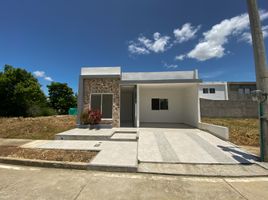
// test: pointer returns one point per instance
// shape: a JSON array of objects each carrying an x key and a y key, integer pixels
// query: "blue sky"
[{"x": 55, "y": 38}]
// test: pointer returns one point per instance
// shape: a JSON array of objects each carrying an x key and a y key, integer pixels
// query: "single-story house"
[{"x": 136, "y": 99}]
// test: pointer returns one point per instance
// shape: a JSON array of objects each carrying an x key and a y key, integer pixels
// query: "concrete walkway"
[
  {"x": 113, "y": 155},
  {"x": 41, "y": 183},
  {"x": 188, "y": 146}
]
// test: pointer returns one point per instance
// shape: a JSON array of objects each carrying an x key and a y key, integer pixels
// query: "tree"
[
  {"x": 19, "y": 92},
  {"x": 61, "y": 97}
]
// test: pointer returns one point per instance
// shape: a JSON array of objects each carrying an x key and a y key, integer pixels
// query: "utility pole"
[{"x": 261, "y": 74}]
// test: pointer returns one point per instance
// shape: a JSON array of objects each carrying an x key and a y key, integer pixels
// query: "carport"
[{"x": 168, "y": 105}]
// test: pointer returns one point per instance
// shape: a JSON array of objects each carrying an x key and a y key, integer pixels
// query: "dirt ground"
[
  {"x": 242, "y": 131},
  {"x": 35, "y": 128},
  {"x": 44, "y": 154}
]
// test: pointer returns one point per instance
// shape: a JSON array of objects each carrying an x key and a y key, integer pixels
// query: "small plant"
[
  {"x": 94, "y": 117},
  {"x": 84, "y": 117}
]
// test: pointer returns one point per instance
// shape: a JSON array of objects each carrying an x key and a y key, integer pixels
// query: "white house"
[
  {"x": 213, "y": 90},
  {"x": 140, "y": 98}
]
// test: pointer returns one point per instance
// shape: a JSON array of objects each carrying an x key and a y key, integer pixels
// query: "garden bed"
[{"x": 47, "y": 154}]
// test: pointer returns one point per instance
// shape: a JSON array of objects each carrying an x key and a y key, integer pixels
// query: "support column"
[
  {"x": 138, "y": 107},
  {"x": 80, "y": 100}
]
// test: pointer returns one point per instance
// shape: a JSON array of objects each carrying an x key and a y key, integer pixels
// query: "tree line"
[{"x": 21, "y": 95}]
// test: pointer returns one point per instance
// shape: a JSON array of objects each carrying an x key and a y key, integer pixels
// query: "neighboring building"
[
  {"x": 227, "y": 90},
  {"x": 241, "y": 90},
  {"x": 239, "y": 103},
  {"x": 213, "y": 90},
  {"x": 140, "y": 98}
]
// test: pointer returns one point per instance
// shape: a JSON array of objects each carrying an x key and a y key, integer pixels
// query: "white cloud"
[
  {"x": 48, "y": 78},
  {"x": 144, "y": 45},
  {"x": 42, "y": 74},
  {"x": 172, "y": 66},
  {"x": 210, "y": 75},
  {"x": 187, "y": 32},
  {"x": 247, "y": 35},
  {"x": 212, "y": 45},
  {"x": 180, "y": 57},
  {"x": 135, "y": 49},
  {"x": 39, "y": 73}
]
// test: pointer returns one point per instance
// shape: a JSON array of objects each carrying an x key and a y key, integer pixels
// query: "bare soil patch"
[
  {"x": 47, "y": 154},
  {"x": 242, "y": 131},
  {"x": 42, "y": 128}
]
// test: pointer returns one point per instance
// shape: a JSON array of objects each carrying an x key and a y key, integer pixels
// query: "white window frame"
[{"x": 101, "y": 102}]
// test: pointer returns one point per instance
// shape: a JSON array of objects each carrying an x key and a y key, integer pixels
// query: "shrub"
[
  {"x": 84, "y": 117},
  {"x": 94, "y": 117},
  {"x": 37, "y": 111},
  {"x": 47, "y": 111}
]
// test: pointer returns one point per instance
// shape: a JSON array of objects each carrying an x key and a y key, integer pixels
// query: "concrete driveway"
[{"x": 188, "y": 145}]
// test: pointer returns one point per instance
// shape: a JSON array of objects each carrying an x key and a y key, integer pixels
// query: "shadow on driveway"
[{"x": 240, "y": 156}]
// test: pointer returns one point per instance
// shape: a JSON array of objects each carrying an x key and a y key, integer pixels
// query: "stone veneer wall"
[{"x": 104, "y": 85}]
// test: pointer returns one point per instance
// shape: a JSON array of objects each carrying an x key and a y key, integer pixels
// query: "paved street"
[{"x": 18, "y": 182}]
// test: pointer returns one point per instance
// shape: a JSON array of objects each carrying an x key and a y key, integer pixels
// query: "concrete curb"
[
  {"x": 112, "y": 168},
  {"x": 65, "y": 165},
  {"x": 202, "y": 175},
  {"x": 44, "y": 163}
]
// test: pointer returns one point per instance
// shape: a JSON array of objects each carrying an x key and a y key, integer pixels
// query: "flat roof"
[
  {"x": 242, "y": 83},
  {"x": 214, "y": 83},
  {"x": 146, "y": 76},
  {"x": 101, "y": 71},
  {"x": 141, "y": 77}
]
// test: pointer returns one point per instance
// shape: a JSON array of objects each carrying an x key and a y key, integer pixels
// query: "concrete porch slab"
[
  {"x": 96, "y": 134},
  {"x": 86, "y": 134}
]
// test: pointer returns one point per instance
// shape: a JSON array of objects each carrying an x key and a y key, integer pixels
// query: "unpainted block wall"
[{"x": 229, "y": 108}]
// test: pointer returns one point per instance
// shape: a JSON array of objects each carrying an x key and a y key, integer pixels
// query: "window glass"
[
  {"x": 107, "y": 105},
  {"x": 205, "y": 90},
  {"x": 96, "y": 102},
  {"x": 163, "y": 104},
  {"x": 247, "y": 91},
  {"x": 241, "y": 91},
  {"x": 155, "y": 104},
  {"x": 212, "y": 90}
]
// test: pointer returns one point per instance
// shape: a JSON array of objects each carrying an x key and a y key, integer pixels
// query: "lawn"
[{"x": 35, "y": 128}]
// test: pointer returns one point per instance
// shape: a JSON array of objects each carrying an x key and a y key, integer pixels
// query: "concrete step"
[{"x": 124, "y": 136}]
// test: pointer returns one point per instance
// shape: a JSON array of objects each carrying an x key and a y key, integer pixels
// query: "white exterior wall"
[
  {"x": 191, "y": 105},
  {"x": 183, "y": 104},
  {"x": 221, "y": 91}
]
